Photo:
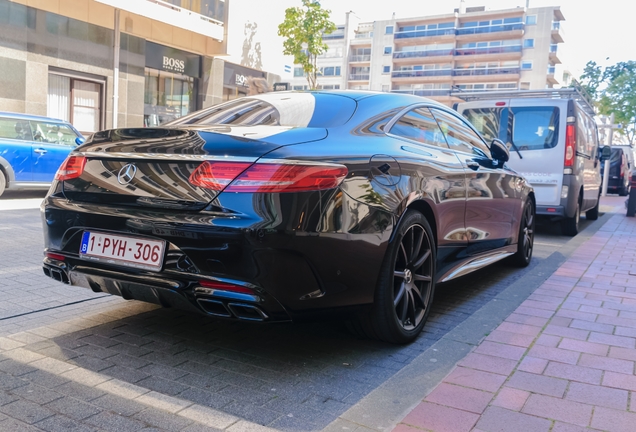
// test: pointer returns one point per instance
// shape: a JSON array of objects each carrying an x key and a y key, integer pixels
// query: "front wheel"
[
  {"x": 525, "y": 242},
  {"x": 404, "y": 293}
]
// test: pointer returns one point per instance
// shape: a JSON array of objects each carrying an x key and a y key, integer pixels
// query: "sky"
[{"x": 603, "y": 31}]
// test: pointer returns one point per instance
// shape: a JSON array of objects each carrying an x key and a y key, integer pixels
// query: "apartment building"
[
  {"x": 57, "y": 59},
  {"x": 472, "y": 50}
]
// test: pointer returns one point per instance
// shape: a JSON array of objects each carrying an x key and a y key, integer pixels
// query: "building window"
[
  {"x": 298, "y": 72},
  {"x": 528, "y": 43},
  {"x": 526, "y": 65},
  {"x": 531, "y": 20},
  {"x": 386, "y": 69},
  {"x": 77, "y": 101},
  {"x": 388, "y": 50},
  {"x": 388, "y": 30},
  {"x": 331, "y": 71}
]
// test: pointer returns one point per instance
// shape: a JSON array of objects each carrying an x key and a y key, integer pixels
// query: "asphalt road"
[{"x": 91, "y": 361}]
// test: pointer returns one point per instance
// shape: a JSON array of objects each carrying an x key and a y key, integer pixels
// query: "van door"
[
  {"x": 537, "y": 131},
  {"x": 587, "y": 151}
]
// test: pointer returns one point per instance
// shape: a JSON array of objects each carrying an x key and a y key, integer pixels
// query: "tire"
[
  {"x": 525, "y": 242},
  {"x": 3, "y": 183},
  {"x": 404, "y": 293},
  {"x": 570, "y": 225},
  {"x": 592, "y": 214}
]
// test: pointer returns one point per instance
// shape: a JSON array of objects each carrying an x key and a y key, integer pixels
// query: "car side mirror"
[
  {"x": 79, "y": 141},
  {"x": 606, "y": 153},
  {"x": 498, "y": 151}
]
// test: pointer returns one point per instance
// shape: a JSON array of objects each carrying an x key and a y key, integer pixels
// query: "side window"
[
  {"x": 535, "y": 128},
  {"x": 459, "y": 135},
  {"x": 53, "y": 133},
  {"x": 15, "y": 129},
  {"x": 419, "y": 125}
]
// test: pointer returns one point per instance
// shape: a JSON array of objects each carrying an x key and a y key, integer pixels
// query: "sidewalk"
[{"x": 563, "y": 361}]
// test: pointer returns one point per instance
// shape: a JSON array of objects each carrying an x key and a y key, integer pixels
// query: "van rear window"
[{"x": 535, "y": 128}]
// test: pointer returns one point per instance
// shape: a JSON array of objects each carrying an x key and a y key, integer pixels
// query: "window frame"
[
  {"x": 528, "y": 43},
  {"x": 480, "y": 152},
  {"x": 391, "y": 123}
]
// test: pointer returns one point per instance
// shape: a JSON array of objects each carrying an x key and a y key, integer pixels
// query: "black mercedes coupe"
[{"x": 290, "y": 206}]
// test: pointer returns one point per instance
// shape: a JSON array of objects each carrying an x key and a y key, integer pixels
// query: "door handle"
[
  {"x": 472, "y": 164},
  {"x": 40, "y": 151}
]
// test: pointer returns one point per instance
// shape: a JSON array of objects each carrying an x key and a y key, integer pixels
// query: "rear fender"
[{"x": 6, "y": 169}]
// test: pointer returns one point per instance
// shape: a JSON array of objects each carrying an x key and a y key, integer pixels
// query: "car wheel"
[
  {"x": 404, "y": 293},
  {"x": 570, "y": 225},
  {"x": 525, "y": 243},
  {"x": 3, "y": 183},
  {"x": 592, "y": 214}
]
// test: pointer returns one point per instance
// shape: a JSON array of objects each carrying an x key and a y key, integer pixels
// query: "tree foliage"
[
  {"x": 614, "y": 89},
  {"x": 303, "y": 29}
]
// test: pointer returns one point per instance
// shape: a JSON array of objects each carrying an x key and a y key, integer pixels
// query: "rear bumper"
[
  {"x": 551, "y": 210},
  {"x": 297, "y": 270}
]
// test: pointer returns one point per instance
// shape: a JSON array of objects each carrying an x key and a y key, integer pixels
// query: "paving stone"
[
  {"x": 537, "y": 384},
  {"x": 79, "y": 391},
  {"x": 25, "y": 411},
  {"x": 598, "y": 395},
  {"x": 503, "y": 420},
  {"x": 73, "y": 408},
  {"x": 439, "y": 418},
  {"x": 118, "y": 405},
  {"x": 463, "y": 398},
  {"x": 475, "y": 379},
  {"x": 161, "y": 419},
  {"x": 511, "y": 399},
  {"x": 613, "y": 420},
  {"x": 113, "y": 422},
  {"x": 162, "y": 385},
  {"x": 573, "y": 373},
  {"x": 59, "y": 423}
]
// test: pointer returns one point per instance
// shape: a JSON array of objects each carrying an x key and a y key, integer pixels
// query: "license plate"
[{"x": 122, "y": 250}]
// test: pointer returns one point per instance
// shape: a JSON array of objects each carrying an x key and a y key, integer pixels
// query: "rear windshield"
[
  {"x": 488, "y": 122},
  {"x": 535, "y": 128},
  {"x": 616, "y": 155},
  {"x": 276, "y": 109}
]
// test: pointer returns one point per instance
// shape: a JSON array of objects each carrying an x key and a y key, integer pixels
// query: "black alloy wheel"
[
  {"x": 412, "y": 278},
  {"x": 525, "y": 241},
  {"x": 404, "y": 293}
]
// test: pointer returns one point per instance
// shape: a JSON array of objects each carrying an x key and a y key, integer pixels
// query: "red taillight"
[
  {"x": 217, "y": 175},
  {"x": 71, "y": 168},
  {"x": 55, "y": 256},
  {"x": 570, "y": 145},
  {"x": 225, "y": 286},
  {"x": 267, "y": 177}
]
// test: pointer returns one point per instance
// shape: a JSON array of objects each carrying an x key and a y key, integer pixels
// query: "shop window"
[
  {"x": 167, "y": 96},
  {"x": 77, "y": 101}
]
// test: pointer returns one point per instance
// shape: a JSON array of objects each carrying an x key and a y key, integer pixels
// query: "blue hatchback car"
[{"x": 32, "y": 148}]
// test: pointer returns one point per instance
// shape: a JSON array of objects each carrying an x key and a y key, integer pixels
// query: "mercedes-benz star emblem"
[{"x": 126, "y": 173}]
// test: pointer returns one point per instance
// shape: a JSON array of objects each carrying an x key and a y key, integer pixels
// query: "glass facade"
[{"x": 167, "y": 96}]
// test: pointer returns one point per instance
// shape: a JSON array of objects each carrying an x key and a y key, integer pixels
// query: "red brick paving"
[{"x": 564, "y": 361}]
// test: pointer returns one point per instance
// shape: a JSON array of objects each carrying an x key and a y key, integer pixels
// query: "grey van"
[{"x": 553, "y": 142}]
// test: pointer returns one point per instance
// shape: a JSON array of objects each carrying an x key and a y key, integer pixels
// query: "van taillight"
[
  {"x": 622, "y": 166},
  {"x": 570, "y": 145}
]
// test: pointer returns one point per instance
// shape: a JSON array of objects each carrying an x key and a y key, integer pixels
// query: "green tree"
[
  {"x": 303, "y": 29},
  {"x": 614, "y": 90}
]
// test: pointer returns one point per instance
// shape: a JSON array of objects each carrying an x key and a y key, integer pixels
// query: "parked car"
[
  {"x": 620, "y": 170},
  {"x": 553, "y": 142},
  {"x": 32, "y": 148},
  {"x": 290, "y": 206}
]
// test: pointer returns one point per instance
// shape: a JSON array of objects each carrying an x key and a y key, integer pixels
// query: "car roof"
[
  {"x": 29, "y": 117},
  {"x": 364, "y": 94}
]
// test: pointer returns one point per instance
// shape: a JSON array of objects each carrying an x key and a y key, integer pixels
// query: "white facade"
[{"x": 430, "y": 56}]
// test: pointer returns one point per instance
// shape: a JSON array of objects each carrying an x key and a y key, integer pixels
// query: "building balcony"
[
  {"x": 503, "y": 31},
  {"x": 550, "y": 77},
  {"x": 437, "y": 56},
  {"x": 490, "y": 53},
  {"x": 417, "y": 77},
  {"x": 554, "y": 58},
  {"x": 413, "y": 37},
  {"x": 425, "y": 92},
  {"x": 490, "y": 74},
  {"x": 359, "y": 77},
  {"x": 359, "y": 59},
  {"x": 557, "y": 32}
]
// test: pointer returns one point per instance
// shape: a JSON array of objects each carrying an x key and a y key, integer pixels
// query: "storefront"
[
  {"x": 171, "y": 83},
  {"x": 236, "y": 80}
]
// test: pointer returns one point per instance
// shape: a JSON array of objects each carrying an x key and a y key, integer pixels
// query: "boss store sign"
[
  {"x": 172, "y": 60},
  {"x": 235, "y": 76}
]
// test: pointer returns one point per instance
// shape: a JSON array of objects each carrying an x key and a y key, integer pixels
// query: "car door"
[
  {"x": 52, "y": 142},
  {"x": 15, "y": 148},
  {"x": 435, "y": 172},
  {"x": 492, "y": 200}
]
